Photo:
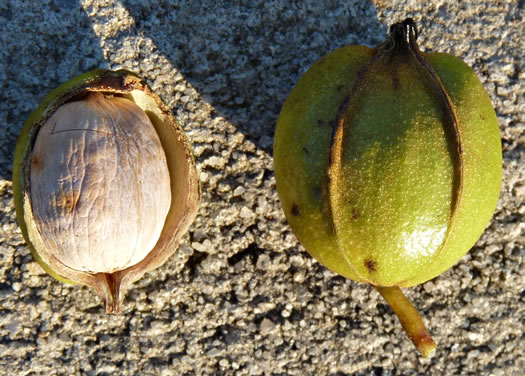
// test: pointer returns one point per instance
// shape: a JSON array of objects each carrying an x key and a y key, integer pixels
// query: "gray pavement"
[{"x": 241, "y": 296}]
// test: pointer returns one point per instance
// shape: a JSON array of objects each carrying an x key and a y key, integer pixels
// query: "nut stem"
[
  {"x": 110, "y": 288},
  {"x": 410, "y": 319}
]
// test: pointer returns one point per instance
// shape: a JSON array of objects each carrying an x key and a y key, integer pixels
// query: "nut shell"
[
  {"x": 183, "y": 181},
  {"x": 99, "y": 184}
]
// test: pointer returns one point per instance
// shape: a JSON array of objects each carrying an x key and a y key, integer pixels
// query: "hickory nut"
[
  {"x": 105, "y": 183},
  {"x": 388, "y": 165}
]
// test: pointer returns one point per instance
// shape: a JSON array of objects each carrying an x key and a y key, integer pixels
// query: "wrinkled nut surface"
[
  {"x": 388, "y": 165},
  {"x": 104, "y": 182},
  {"x": 100, "y": 187}
]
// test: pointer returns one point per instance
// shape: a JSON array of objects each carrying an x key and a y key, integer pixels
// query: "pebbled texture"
[{"x": 242, "y": 296}]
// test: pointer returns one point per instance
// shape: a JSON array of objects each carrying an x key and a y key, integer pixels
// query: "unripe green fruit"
[{"x": 388, "y": 161}]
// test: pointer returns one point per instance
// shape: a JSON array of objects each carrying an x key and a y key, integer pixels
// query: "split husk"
[{"x": 183, "y": 184}]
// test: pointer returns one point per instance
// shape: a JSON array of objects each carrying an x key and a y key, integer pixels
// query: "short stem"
[
  {"x": 410, "y": 319},
  {"x": 113, "y": 297},
  {"x": 108, "y": 288}
]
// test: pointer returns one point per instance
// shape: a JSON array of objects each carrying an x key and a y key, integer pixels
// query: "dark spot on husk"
[
  {"x": 305, "y": 150},
  {"x": 320, "y": 123},
  {"x": 355, "y": 213},
  {"x": 295, "y": 209},
  {"x": 340, "y": 87},
  {"x": 370, "y": 265}
]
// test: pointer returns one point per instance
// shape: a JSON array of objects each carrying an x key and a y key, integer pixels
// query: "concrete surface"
[{"x": 241, "y": 296}]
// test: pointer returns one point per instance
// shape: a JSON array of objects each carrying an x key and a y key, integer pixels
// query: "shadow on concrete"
[
  {"x": 244, "y": 60},
  {"x": 43, "y": 45}
]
